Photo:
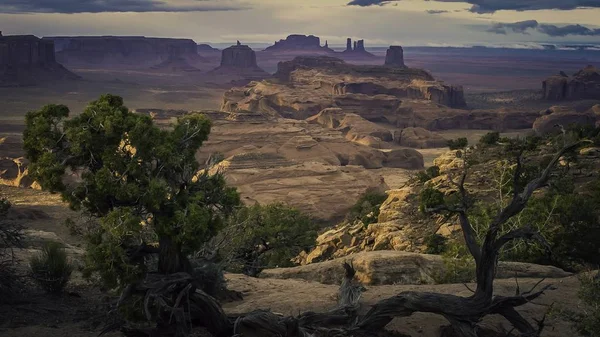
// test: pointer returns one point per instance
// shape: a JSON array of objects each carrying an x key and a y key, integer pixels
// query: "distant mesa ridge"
[
  {"x": 124, "y": 51},
  {"x": 299, "y": 42},
  {"x": 29, "y": 60},
  {"x": 239, "y": 59}
]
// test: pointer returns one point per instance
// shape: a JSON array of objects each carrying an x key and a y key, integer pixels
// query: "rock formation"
[
  {"x": 585, "y": 84},
  {"x": 239, "y": 60},
  {"x": 386, "y": 267},
  {"x": 300, "y": 43},
  {"x": 394, "y": 57},
  {"x": 358, "y": 51},
  {"x": 204, "y": 48},
  {"x": 419, "y": 138},
  {"x": 557, "y": 118},
  {"x": 307, "y": 85},
  {"x": 124, "y": 51},
  {"x": 28, "y": 60}
]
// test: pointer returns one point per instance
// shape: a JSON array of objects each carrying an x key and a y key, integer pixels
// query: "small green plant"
[
  {"x": 430, "y": 173},
  {"x": 490, "y": 138},
  {"x": 367, "y": 208},
  {"x": 50, "y": 269},
  {"x": 436, "y": 244},
  {"x": 430, "y": 198},
  {"x": 589, "y": 294},
  {"x": 458, "y": 144},
  {"x": 459, "y": 266}
]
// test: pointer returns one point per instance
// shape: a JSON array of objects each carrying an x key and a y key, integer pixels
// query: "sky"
[{"x": 379, "y": 22}]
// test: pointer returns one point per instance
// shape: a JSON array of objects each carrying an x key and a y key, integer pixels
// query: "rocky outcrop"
[
  {"x": 124, "y": 51},
  {"x": 419, "y": 138},
  {"x": 585, "y": 84},
  {"x": 356, "y": 128},
  {"x": 393, "y": 267},
  {"x": 404, "y": 158},
  {"x": 357, "y": 50},
  {"x": 300, "y": 43},
  {"x": 394, "y": 57},
  {"x": 307, "y": 85},
  {"x": 556, "y": 119},
  {"x": 239, "y": 60},
  {"x": 325, "y": 192},
  {"x": 28, "y": 60}
]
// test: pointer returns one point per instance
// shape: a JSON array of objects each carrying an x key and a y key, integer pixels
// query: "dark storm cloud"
[
  {"x": 517, "y": 27},
  {"x": 523, "y": 27},
  {"x": 436, "y": 11},
  {"x": 100, "y": 6},
  {"x": 580, "y": 30},
  {"x": 490, "y": 6}
]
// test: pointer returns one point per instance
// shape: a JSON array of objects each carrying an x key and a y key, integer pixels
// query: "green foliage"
[
  {"x": 141, "y": 181},
  {"x": 588, "y": 323},
  {"x": 366, "y": 209},
  {"x": 267, "y": 236},
  {"x": 490, "y": 138},
  {"x": 50, "y": 269},
  {"x": 458, "y": 144},
  {"x": 436, "y": 244},
  {"x": 430, "y": 173},
  {"x": 11, "y": 236},
  {"x": 430, "y": 198},
  {"x": 459, "y": 265}
]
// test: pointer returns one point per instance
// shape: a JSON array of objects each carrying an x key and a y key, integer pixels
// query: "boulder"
[
  {"x": 404, "y": 158},
  {"x": 419, "y": 138},
  {"x": 556, "y": 122},
  {"x": 391, "y": 209},
  {"x": 394, "y": 267},
  {"x": 394, "y": 57}
]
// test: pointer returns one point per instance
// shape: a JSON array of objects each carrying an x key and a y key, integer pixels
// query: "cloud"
[
  {"x": 580, "y": 30},
  {"x": 491, "y": 6},
  {"x": 522, "y": 27},
  {"x": 517, "y": 27},
  {"x": 436, "y": 11},
  {"x": 112, "y": 6}
]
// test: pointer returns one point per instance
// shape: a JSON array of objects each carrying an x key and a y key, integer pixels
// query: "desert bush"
[
  {"x": 50, "y": 268},
  {"x": 430, "y": 198},
  {"x": 490, "y": 138},
  {"x": 11, "y": 236},
  {"x": 430, "y": 173},
  {"x": 366, "y": 209},
  {"x": 436, "y": 244},
  {"x": 458, "y": 144},
  {"x": 459, "y": 266},
  {"x": 588, "y": 323},
  {"x": 266, "y": 236}
]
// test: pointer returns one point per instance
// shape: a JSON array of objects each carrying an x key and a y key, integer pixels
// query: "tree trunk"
[{"x": 171, "y": 259}]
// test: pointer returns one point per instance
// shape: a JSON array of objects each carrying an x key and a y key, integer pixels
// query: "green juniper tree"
[{"x": 140, "y": 181}]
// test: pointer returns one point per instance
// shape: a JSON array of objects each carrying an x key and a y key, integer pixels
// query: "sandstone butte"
[
  {"x": 585, "y": 84},
  {"x": 28, "y": 60}
]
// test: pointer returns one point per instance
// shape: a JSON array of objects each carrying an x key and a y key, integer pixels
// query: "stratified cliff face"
[
  {"x": 124, "y": 51},
  {"x": 305, "y": 86},
  {"x": 584, "y": 84},
  {"x": 28, "y": 60}
]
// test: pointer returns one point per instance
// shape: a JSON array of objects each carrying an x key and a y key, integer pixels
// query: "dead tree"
[{"x": 465, "y": 312}]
